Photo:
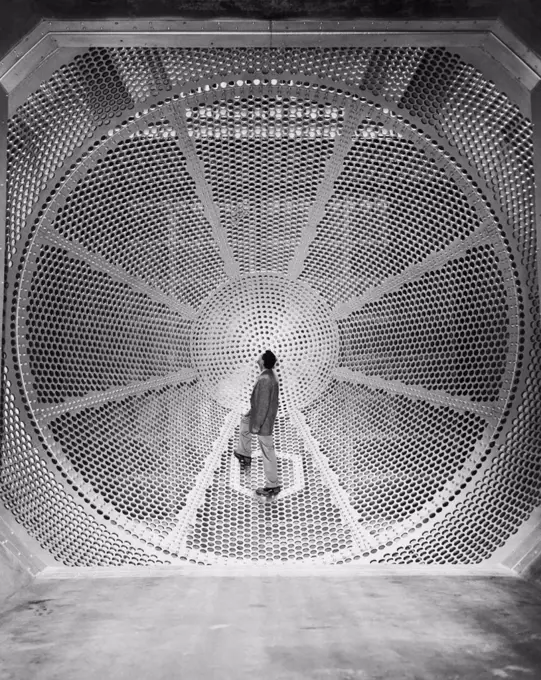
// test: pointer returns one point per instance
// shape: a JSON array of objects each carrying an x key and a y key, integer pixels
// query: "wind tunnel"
[{"x": 365, "y": 212}]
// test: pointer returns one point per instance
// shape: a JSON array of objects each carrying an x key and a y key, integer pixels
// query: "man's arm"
[{"x": 262, "y": 398}]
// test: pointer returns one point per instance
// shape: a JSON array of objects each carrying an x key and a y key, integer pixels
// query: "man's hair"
[{"x": 268, "y": 359}]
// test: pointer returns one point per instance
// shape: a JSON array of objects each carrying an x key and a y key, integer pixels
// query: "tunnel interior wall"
[{"x": 380, "y": 200}]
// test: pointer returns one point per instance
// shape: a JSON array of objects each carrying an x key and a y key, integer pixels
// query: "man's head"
[{"x": 266, "y": 360}]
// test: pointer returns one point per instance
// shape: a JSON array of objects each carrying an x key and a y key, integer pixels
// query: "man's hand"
[{"x": 255, "y": 430}]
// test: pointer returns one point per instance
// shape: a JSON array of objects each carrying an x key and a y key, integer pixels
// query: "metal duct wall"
[{"x": 366, "y": 213}]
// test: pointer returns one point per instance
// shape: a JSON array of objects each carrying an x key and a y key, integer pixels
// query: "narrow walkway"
[{"x": 360, "y": 623}]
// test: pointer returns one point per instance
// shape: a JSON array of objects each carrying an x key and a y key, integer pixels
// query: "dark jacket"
[{"x": 264, "y": 403}]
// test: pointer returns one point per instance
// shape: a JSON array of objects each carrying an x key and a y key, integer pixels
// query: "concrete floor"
[{"x": 389, "y": 623}]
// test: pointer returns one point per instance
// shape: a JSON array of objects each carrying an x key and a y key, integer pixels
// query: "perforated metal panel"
[{"x": 365, "y": 213}]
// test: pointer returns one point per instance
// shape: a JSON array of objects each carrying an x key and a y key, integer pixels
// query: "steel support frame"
[
  {"x": 13, "y": 537},
  {"x": 519, "y": 546},
  {"x": 52, "y": 43},
  {"x": 536, "y": 119}
]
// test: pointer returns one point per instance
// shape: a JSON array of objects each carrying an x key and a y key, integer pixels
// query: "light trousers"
[{"x": 266, "y": 442}]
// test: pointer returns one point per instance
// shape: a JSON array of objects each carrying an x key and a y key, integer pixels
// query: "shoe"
[
  {"x": 268, "y": 491},
  {"x": 244, "y": 460}
]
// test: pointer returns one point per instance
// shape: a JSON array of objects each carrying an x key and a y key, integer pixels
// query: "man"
[{"x": 260, "y": 421}]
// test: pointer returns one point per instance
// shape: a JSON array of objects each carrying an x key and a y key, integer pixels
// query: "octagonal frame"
[{"x": 488, "y": 45}]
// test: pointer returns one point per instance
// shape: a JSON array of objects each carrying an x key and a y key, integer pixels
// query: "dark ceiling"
[
  {"x": 266, "y": 9},
  {"x": 17, "y": 17}
]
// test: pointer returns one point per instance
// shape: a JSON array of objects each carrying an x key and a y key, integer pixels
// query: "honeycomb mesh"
[
  {"x": 365, "y": 212},
  {"x": 466, "y": 337},
  {"x": 281, "y": 313},
  {"x": 146, "y": 464},
  {"x": 380, "y": 172},
  {"x": 158, "y": 195},
  {"x": 48, "y": 505},
  {"x": 87, "y": 332},
  {"x": 252, "y": 194},
  {"x": 387, "y": 445}
]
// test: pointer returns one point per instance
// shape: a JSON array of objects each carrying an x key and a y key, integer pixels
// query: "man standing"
[{"x": 260, "y": 420}]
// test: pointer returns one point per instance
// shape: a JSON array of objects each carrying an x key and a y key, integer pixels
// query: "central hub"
[{"x": 254, "y": 313}]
